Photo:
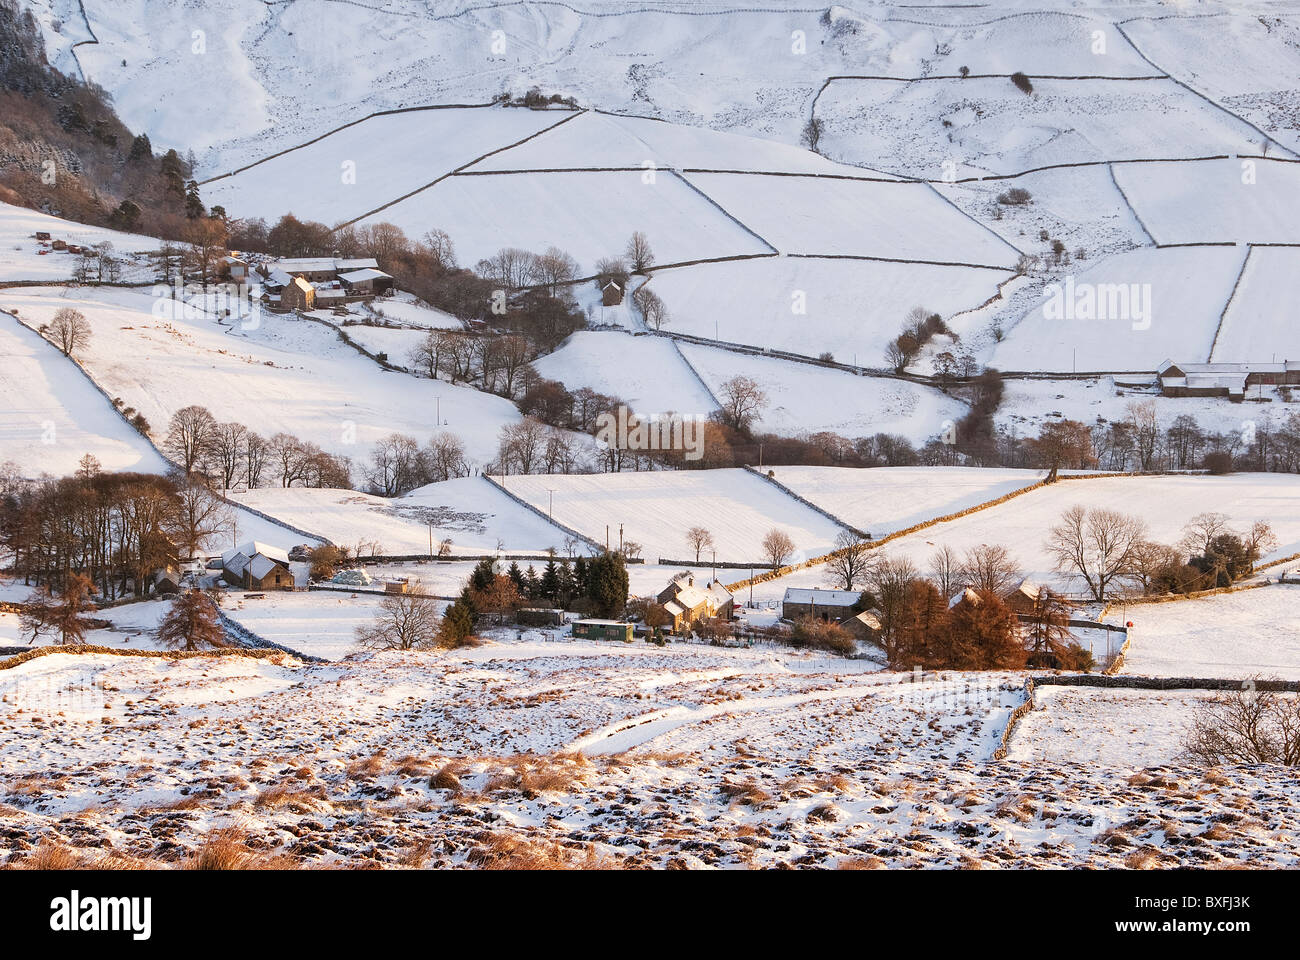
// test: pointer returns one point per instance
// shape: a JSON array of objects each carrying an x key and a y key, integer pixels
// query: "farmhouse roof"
[
  {"x": 359, "y": 276},
  {"x": 826, "y": 598}
]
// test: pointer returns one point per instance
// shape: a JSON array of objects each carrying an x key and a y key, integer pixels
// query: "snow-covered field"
[
  {"x": 646, "y": 372},
  {"x": 851, "y": 309},
  {"x": 318, "y": 624},
  {"x": 1258, "y": 324},
  {"x": 985, "y": 125},
  {"x": 881, "y": 500},
  {"x": 722, "y": 757},
  {"x": 281, "y": 373},
  {"x": 475, "y": 515},
  {"x": 1237, "y": 201},
  {"x": 51, "y": 416},
  {"x": 601, "y": 140},
  {"x": 1237, "y": 635},
  {"x": 655, "y": 510},
  {"x": 356, "y": 170},
  {"x": 1247, "y": 64},
  {"x": 894, "y": 221},
  {"x": 804, "y": 398},
  {"x": 1166, "y": 503},
  {"x": 1127, "y": 313},
  {"x": 1117, "y": 728},
  {"x": 19, "y": 259},
  {"x": 590, "y": 215},
  {"x": 1028, "y": 403}
]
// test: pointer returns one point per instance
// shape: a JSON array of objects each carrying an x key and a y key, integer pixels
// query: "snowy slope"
[
  {"x": 476, "y": 516},
  {"x": 354, "y": 171},
  {"x": 1238, "y": 635},
  {"x": 1023, "y": 524},
  {"x": 51, "y": 416},
  {"x": 656, "y": 509},
  {"x": 646, "y": 372},
  {"x": 1260, "y": 322},
  {"x": 898, "y": 221},
  {"x": 804, "y": 398},
  {"x": 18, "y": 245},
  {"x": 1188, "y": 288},
  {"x": 589, "y": 215},
  {"x": 881, "y": 500},
  {"x": 850, "y": 308},
  {"x": 1237, "y": 201},
  {"x": 285, "y": 374}
]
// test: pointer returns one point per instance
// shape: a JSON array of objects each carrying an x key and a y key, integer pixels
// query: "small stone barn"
[{"x": 257, "y": 566}]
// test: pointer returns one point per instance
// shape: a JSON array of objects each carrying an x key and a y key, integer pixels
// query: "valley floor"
[{"x": 531, "y": 752}]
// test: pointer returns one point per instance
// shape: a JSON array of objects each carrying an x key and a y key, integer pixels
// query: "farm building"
[
  {"x": 1024, "y": 598},
  {"x": 298, "y": 294},
  {"x": 367, "y": 282},
  {"x": 235, "y": 268},
  {"x": 540, "y": 617},
  {"x": 324, "y": 269},
  {"x": 1223, "y": 379},
  {"x": 829, "y": 605},
  {"x": 257, "y": 566},
  {"x": 687, "y": 602},
  {"x": 42, "y": 235},
  {"x": 603, "y": 630},
  {"x": 865, "y": 626},
  {"x": 611, "y": 294}
]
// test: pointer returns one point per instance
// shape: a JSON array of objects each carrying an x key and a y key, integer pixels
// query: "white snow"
[{"x": 1236, "y": 635}]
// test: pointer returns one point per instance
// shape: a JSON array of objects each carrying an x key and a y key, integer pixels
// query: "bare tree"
[
  {"x": 446, "y": 457},
  {"x": 1201, "y": 530},
  {"x": 62, "y": 614},
  {"x": 555, "y": 267},
  {"x": 188, "y": 435},
  {"x": 777, "y": 548},
  {"x": 652, "y": 307},
  {"x": 742, "y": 401},
  {"x": 438, "y": 245},
  {"x": 405, "y": 621},
  {"x": 69, "y": 331},
  {"x": 990, "y": 569},
  {"x": 697, "y": 538},
  {"x": 946, "y": 572},
  {"x": 1144, "y": 419},
  {"x": 812, "y": 133},
  {"x": 1247, "y": 725},
  {"x": 851, "y": 562},
  {"x": 638, "y": 252},
  {"x": 226, "y": 452},
  {"x": 1101, "y": 547},
  {"x": 199, "y": 515}
]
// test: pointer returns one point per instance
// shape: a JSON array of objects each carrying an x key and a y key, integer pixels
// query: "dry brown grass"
[
  {"x": 371, "y": 766},
  {"x": 295, "y": 801},
  {"x": 824, "y": 812},
  {"x": 448, "y": 777},
  {"x": 1144, "y": 859},
  {"x": 861, "y": 863},
  {"x": 748, "y": 793},
  {"x": 227, "y": 849},
  {"x": 506, "y": 851},
  {"x": 51, "y": 856}
]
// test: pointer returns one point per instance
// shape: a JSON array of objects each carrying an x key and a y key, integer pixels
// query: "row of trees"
[
  {"x": 595, "y": 586},
  {"x": 116, "y": 529},
  {"x": 228, "y": 454}
]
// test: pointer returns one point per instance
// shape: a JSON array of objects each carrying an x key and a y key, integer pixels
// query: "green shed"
[{"x": 603, "y": 630}]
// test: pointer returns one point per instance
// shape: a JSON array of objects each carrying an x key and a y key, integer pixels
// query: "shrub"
[
  {"x": 1022, "y": 82},
  {"x": 1015, "y": 197},
  {"x": 822, "y": 635}
]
